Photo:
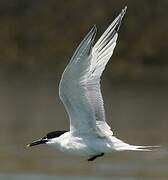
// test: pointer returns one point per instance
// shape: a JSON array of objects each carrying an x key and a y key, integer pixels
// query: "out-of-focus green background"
[{"x": 37, "y": 39}]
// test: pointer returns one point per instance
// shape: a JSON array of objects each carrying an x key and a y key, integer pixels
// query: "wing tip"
[
  {"x": 94, "y": 30},
  {"x": 124, "y": 9},
  {"x": 92, "y": 33},
  {"x": 123, "y": 12},
  {"x": 120, "y": 18},
  {"x": 94, "y": 27}
]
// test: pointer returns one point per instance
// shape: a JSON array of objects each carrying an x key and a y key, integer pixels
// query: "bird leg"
[{"x": 94, "y": 157}]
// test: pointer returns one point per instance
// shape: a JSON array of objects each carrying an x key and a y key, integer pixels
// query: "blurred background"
[{"x": 37, "y": 39}]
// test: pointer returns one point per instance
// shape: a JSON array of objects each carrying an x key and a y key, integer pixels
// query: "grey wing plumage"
[
  {"x": 72, "y": 90},
  {"x": 80, "y": 83}
]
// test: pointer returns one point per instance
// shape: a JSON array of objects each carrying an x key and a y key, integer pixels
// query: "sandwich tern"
[{"x": 79, "y": 90}]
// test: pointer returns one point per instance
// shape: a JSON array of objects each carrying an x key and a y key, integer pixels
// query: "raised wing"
[
  {"x": 80, "y": 83},
  {"x": 101, "y": 53},
  {"x": 73, "y": 92}
]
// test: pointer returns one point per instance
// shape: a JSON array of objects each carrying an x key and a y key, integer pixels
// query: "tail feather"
[
  {"x": 142, "y": 148},
  {"x": 122, "y": 146}
]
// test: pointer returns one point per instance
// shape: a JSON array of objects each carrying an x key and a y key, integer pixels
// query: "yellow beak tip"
[{"x": 28, "y": 145}]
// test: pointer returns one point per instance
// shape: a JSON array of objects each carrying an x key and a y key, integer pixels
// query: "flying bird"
[{"x": 79, "y": 90}]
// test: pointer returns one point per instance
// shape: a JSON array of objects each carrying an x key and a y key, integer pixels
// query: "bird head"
[{"x": 49, "y": 136}]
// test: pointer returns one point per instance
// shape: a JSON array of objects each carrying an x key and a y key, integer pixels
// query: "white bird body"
[
  {"x": 79, "y": 90},
  {"x": 90, "y": 145},
  {"x": 86, "y": 145}
]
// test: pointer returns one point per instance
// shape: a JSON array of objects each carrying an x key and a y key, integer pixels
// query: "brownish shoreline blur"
[{"x": 41, "y": 36}]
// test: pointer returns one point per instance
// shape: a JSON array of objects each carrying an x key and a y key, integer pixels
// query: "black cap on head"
[
  {"x": 54, "y": 134},
  {"x": 45, "y": 139}
]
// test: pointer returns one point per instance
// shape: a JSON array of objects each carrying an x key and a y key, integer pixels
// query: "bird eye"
[{"x": 45, "y": 137}]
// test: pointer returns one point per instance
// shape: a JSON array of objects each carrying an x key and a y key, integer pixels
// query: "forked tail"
[
  {"x": 122, "y": 146},
  {"x": 140, "y": 148}
]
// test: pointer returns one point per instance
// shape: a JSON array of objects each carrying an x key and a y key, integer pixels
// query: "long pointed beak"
[{"x": 38, "y": 142}]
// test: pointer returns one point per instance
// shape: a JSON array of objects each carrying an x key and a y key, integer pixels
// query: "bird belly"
[
  {"x": 85, "y": 146},
  {"x": 77, "y": 149}
]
